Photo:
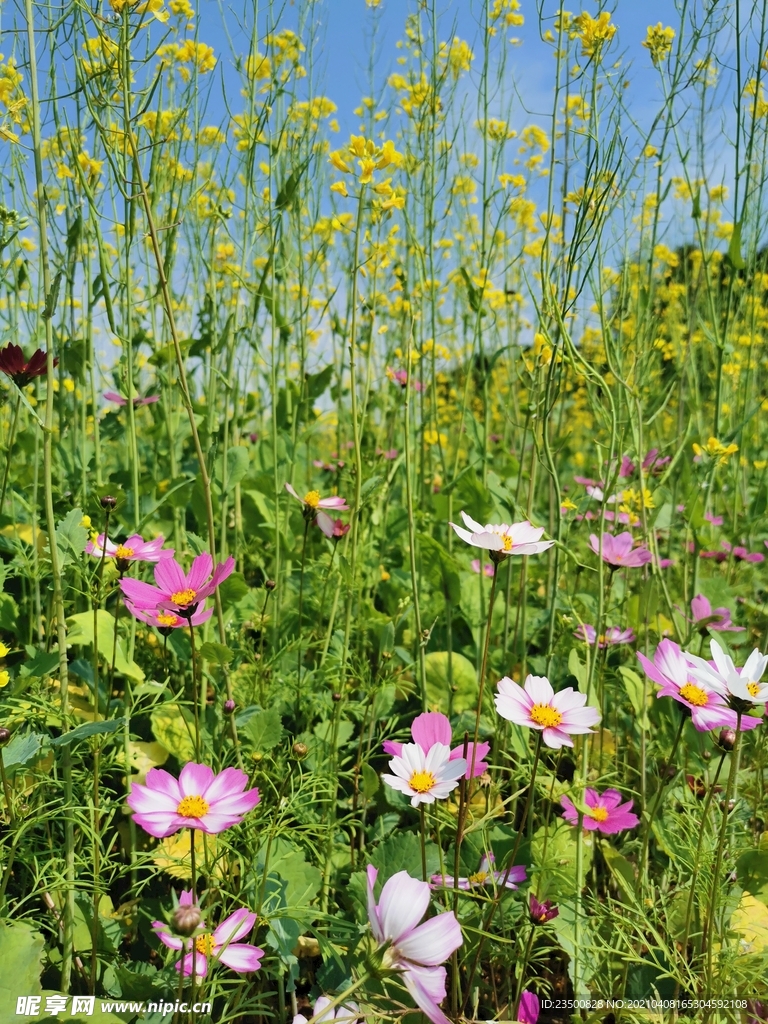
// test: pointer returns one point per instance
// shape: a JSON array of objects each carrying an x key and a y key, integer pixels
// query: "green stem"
[{"x": 11, "y": 439}]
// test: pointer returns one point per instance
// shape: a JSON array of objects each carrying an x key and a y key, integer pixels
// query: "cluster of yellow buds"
[
  {"x": 369, "y": 158},
  {"x": 592, "y": 32},
  {"x": 658, "y": 41},
  {"x": 716, "y": 450}
]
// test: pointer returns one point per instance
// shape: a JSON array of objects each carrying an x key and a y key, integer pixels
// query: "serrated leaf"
[
  {"x": 263, "y": 730},
  {"x": 218, "y": 653},
  {"x": 71, "y": 536},
  {"x": 464, "y": 695}
]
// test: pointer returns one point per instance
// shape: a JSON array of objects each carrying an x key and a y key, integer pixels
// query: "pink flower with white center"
[
  {"x": 677, "y": 673},
  {"x": 433, "y": 727},
  {"x": 176, "y": 590},
  {"x": 740, "y": 683},
  {"x": 706, "y": 617},
  {"x": 612, "y": 636},
  {"x": 503, "y": 539},
  {"x": 485, "y": 875},
  {"x": 558, "y": 716},
  {"x": 425, "y": 776},
  {"x": 602, "y": 812},
  {"x": 417, "y": 950},
  {"x": 133, "y": 549},
  {"x": 324, "y": 1013},
  {"x": 164, "y": 619},
  {"x": 478, "y": 567},
  {"x": 197, "y": 799},
  {"x": 619, "y": 550},
  {"x": 219, "y": 946},
  {"x": 313, "y": 506}
]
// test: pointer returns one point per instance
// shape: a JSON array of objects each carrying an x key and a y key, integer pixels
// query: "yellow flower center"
[
  {"x": 753, "y": 689},
  {"x": 193, "y": 807},
  {"x": 694, "y": 695},
  {"x": 545, "y": 716},
  {"x": 507, "y": 542},
  {"x": 312, "y": 498},
  {"x": 204, "y": 944},
  {"x": 598, "y": 813},
  {"x": 184, "y": 597},
  {"x": 167, "y": 619},
  {"x": 479, "y": 878},
  {"x": 123, "y": 552},
  {"x": 422, "y": 781}
]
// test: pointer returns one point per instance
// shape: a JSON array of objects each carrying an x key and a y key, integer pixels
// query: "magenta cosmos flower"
[
  {"x": 176, "y": 590},
  {"x": 612, "y": 636},
  {"x": 197, "y": 799},
  {"x": 163, "y": 618},
  {"x": 528, "y": 1009},
  {"x": 706, "y": 617},
  {"x": 133, "y": 549},
  {"x": 433, "y": 727},
  {"x": 417, "y": 950},
  {"x": 118, "y": 399},
  {"x": 682, "y": 677},
  {"x": 618, "y": 550},
  {"x": 425, "y": 776},
  {"x": 541, "y": 911},
  {"x": 503, "y": 539},
  {"x": 478, "y": 567},
  {"x": 485, "y": 875},
  {"x": 221, "y": 945},
  {"x": 558, "y": 716},
  {"x": 313, "y": 505},
  {"x": 604, "y": 813}
]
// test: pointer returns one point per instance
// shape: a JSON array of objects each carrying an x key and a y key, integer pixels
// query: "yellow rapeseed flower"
[
  {"x": 716, "y": 449},
  {"x": 658, "y": 41}
]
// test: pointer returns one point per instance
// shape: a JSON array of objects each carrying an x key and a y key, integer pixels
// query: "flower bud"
[
  {"x": 727, "y": 739},
  {"x": 229, "y": 707},
  {"x": 270, "y": 584},
  {"x": 5, "y": 735},
  {"x": 108, "y": 502},
  {"x": 300, "y": 750},
  {"x": 186, "y": 919},
  {"x": 336, "y": 697}
]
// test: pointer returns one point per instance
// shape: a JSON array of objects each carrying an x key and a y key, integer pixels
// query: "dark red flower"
[
  {"x": 20, "y": 372},
  {"x": 542, "y": 912}
]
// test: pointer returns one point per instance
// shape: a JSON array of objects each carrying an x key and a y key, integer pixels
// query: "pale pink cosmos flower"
[
  {"x": 478, "y": 567},
  {"x": 163, "y": 618},
  {"x": 417, "y": 950},
  {"x": 313, "y": 507},
  {"x": 486, "y": 874},
  {"x": 219, "y": 946},
  {"x": 707, "y": 617},
  {"x": 433, "y": 727},
  {"x": 613, "y": 635},
  {"x": 503, "y": 539},
  {"x": 558, "y": 716},
  {"x": 676, "y": 673},
  {"x": 176, "y": 590},
  {"x": 619, "y": 550},
  {"x": 132, "y": 549},
  {"x": 425, "y": 776},
  {"x": 742, "y": 683},
  {"x": 197, "y": 799},
  {"x": 602, "y": 812},
  {"x": 113, "y": 396},
  {"x": 627, "y": 467},
  {"x": 324, "y": 1013}
]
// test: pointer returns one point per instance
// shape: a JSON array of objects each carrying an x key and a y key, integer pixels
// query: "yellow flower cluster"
[
  {"x": 198, "y": 55},
  {"x": 593, "y": 32},
  {"x": 658, "y": 41},
  {"x": 716, "y": 450},
  {"x": 369, "y": 158}
]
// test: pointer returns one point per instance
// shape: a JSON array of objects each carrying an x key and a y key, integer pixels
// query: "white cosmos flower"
[
  {"x": 506, "y": 538},
  {"x": 743, "y": 683},
  {"x": 425, "y": 776}
]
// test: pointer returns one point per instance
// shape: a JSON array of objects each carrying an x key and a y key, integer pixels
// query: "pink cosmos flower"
[
  {"x": 485, "y": 875},
  {"x": 346, "y": 1013},
  {"x": 713, "y": 519},
  {"x": 313, "y": 506},
  {"x": 433, "y": 727},
  {"x": 221, "y": 945},
  {"x": 540, "y": 912},
  {"x": 133, "y": 549},
  {"x": 613, "y": 635},
  {"x": 619, "y": 550},
  {"x": 742, "y": 683},
  {"x": 197, "y": 799},
  {"x": 675, "y": 672},
  {"x": 718, "y": 556},
  {"x": 604, "y": 813},
  {"x": 401, "y": 377},
  {"x": 536, "y": 705},
  {"x": 163, "y": 618},
  {"x": 627, "y": 467},
  {"x": 478, "y": 567},
  {"x": 587, "y": 481},
  {"x": 705, "y": 616},
  {"x": 655, "y": 463},
  {"x": 389, "y": 453},
  {"x": 528, "y": 1009},
  {"x": 176, "y": 590},
  {"x": 425, "y": 776},
  {"x": 503, "y": 539},
  {"x": 113, "y": 396},
  {"x": 417, "y": 950}
]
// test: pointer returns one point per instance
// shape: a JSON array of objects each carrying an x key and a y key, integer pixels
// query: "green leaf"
[
  {"x": 752, "y": 870},
  {"x": 441, "y": 567},
  {"x": 402, "y": 852},
  {"x": 233, "y": 589},
  {"x": 237, "y": 466},
  {"x": 317, "y": 383},
  {"x": 40, "y": 663},
  {"x": 370, "y": 781},
  {"x": 734, "y": 248},
  {"x": 622, "y": 871},
  {"x": 80, "y": 631},
  {"x": 577, "y": 669},
  {"x": 218, "y": 653},
  {"x": 264, "y": 730},
  {"x": 22, "y": 750},
  {"x": 635, "y": 688},
  {"x": 173, "y": 726},
  {"x": 438, "y": 684},
  {"x": 71, "y": 537},
  {"x": 82, "y": 732},
  {"x": 21, "y": 951}
]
